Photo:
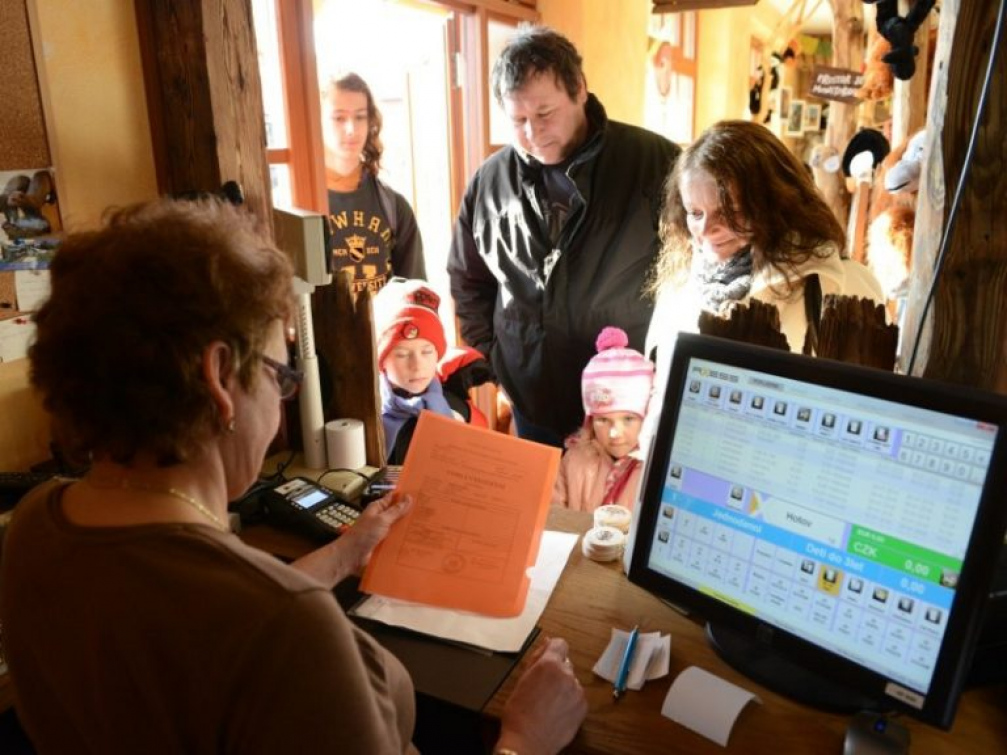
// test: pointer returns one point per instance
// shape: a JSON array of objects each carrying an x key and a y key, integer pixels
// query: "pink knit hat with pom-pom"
[{"x": 617, "y": 379}]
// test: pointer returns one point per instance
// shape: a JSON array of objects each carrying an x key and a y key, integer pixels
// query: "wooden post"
[
  {"x": 965, "y": 336},
  {"x": 848, "y": 53},
  {"x": 205, "y": 99},
  {"x": 344, "y": 341}
]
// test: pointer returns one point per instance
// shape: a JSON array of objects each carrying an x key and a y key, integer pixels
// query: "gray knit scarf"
[{"x": 722, "y": 282}]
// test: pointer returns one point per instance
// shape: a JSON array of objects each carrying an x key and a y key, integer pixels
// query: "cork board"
[{"x": 23, "y": 142}]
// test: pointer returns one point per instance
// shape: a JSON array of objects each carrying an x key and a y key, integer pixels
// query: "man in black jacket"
[{"x": 556, "y": 233}]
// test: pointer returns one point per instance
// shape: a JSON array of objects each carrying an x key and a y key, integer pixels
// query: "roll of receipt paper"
[{"x": 344, "y": 444}]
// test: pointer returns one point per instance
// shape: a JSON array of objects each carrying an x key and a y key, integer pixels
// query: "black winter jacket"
[{"x": 535, "y": 310}]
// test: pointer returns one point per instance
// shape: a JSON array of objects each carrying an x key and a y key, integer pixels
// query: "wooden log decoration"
[
  {"x": 755, "y": 322},
  {"x": 347, "y": 356},
  {"x": 852, "y": 329},
  {"x": 856, "y": 330}
]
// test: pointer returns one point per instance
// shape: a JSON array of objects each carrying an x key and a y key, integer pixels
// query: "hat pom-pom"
[{"x": 611, "y": 338}]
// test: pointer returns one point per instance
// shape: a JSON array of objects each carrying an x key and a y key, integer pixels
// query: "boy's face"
[
  {"x": 617, "y": 432},
  {"x": 346, "y": 127},
  {"x": 411, "y": 365}
]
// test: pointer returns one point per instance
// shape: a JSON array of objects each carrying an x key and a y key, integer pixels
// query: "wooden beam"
[
  {"x": 965, "y": 336},
  {"x": 678, "y": 6},
  {"x": 847, "y": 53},
  {"x": 205, "y": 98}
]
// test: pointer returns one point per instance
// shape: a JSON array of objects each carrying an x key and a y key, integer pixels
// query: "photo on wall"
[
  {"x": 785, "y": 99},
  {"x": 812, "y": 116},
  {"x": 30, "y": 225},
  {"x": 795, "y": 121}
]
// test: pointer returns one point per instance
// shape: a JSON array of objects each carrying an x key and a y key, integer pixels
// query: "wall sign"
[{"x": 836, "y": 84}]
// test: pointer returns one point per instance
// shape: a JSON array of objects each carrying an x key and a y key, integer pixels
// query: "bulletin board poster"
[
  {"x": 30, "y": 229},
  {"x": 30, "y": 225}
]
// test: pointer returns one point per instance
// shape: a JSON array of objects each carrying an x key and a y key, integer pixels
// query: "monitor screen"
[{"x": 836, "y": 525}]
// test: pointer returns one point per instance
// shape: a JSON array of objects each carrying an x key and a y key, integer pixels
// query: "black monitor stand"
[{"x": 764, "y": 665}]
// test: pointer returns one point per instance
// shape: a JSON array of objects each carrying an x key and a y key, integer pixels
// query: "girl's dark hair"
[
  {"x": 373, "y": 148},
  {"x": 778, "y": 204},
  {"x": 119, "y": 345}
]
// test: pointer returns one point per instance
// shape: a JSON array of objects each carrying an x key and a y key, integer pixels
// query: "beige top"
[{"x": 677, "y": 311}]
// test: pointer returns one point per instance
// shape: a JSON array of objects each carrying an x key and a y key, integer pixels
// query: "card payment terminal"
[{"x": 309, "y": 508}]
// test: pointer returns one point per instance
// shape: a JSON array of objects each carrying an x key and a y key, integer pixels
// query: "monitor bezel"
[{"x": 965, "y": 619}]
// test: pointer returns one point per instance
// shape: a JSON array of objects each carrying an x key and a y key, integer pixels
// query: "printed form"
[{"x": 480, "y": 500}]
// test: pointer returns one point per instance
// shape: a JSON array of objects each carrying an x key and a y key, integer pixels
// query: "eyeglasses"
[{"x": 287, "y": 378}]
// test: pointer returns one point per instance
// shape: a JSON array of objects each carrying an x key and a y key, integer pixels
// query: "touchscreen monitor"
[{"x": 837, "y": 526}]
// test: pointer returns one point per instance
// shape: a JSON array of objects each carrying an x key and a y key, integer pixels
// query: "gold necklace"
[{"x": 181, "y": 495}]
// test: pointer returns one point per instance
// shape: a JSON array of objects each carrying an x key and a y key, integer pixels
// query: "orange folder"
[{"x": 480, "y": 500}]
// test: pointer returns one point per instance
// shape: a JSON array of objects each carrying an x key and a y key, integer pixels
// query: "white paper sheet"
[
  {"x": 15, "y": 335},
  {"x": 32, "y": 288},
  {"x": 706, "y": 703},
  {"x": 651, "y": 658},
  {"x": 500, "y": 635}
]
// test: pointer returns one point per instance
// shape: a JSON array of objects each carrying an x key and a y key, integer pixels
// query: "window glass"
[
  {"x": 270, "y": 71},
  {"x": 498, "y": 33},
  {"x": 279, "y": 177}
]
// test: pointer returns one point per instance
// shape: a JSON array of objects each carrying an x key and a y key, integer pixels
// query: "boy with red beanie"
[
  {"x": 417, "y": 370},
  {"x": 600, "y": 466}
]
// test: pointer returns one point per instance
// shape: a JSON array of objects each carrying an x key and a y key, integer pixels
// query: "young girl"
[
  {"x": 601, "y": 465},
  {"x": 418, "y": 371},
  {"x": 373, "y": 228}
]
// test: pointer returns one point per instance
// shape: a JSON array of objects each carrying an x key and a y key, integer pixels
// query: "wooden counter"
[{"x": 591, "y": 598}]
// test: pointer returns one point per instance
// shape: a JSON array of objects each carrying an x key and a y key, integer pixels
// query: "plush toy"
[
  {"x": 893, "y": 215},
  {"x": 878, "y": 80},
  {"x": 904, "y": 176},
  {"x": 899, "y": 30}
]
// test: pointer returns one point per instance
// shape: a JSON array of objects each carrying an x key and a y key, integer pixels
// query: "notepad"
[{"x": 480, "y": 500}]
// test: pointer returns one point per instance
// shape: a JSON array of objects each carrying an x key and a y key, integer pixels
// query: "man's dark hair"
[{"x": 534, "y": 50}]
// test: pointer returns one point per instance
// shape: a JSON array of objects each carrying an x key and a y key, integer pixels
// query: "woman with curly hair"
[
  {"x": 133, "y": 619},
  {"x": 742, "y": 219},
  {"x": 373, "y": 228}
]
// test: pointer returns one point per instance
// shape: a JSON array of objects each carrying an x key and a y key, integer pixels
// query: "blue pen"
[{"x": 627, "y": 661}]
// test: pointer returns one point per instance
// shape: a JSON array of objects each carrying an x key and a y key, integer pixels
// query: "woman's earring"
[{"x": 231, "y": 426}]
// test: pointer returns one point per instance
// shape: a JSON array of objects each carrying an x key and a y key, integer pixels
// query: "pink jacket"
[{"x": 580, "y": 484}]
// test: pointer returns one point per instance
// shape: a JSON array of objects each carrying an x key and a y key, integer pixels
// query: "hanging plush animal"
[
  {"x": 878, "y": 80},
  {"x": 899, "y": 31},
  {"x": 893, "y": 215}
]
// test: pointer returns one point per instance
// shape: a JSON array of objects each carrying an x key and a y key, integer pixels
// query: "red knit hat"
[
  {"x": 617, "y": 379},
  {"x": 406, "y": 309}
]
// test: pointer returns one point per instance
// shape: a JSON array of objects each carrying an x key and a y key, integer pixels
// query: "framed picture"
[
  {"x": 795, "y": 121},
  {"x": 785, "y": 100},
  {"x": 773, "y": 103},
  {"x": 812, "y": 116}
]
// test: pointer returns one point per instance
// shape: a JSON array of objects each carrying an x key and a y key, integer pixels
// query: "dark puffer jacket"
[{"x": 536, "y": 310}]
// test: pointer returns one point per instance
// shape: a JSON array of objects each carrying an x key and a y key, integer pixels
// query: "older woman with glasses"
[{"x": 133, "y": 620}]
